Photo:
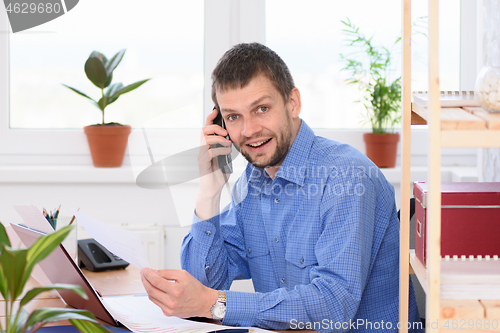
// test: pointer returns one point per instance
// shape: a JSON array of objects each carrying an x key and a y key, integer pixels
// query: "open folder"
[{"x": 136, "y": 312}]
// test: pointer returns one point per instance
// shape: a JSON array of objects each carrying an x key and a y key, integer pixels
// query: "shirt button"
[
  {"x": 208, "y": 232},
  {"x": 277, "y": 200},
  {"x": 276, "y": 239},
  {"x": 207, "y": 267},
  {"x": 301, "y": 260},
  {"x": 282, "y": 280},
  {"x": 249, "y": 250}
]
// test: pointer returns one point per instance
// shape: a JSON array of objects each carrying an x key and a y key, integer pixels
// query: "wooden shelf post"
[{"x": 404, "y": 243}]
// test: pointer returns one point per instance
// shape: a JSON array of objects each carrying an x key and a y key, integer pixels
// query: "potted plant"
[
  {"x": 15, "y": 269},
  {"x": 107, "y": 141},
  {"x": 380, "y": 95}
]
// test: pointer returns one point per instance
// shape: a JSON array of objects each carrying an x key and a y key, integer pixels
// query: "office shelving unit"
[{"x": 460, "y": 127}]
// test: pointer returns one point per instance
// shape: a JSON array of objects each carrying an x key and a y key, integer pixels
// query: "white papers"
[
  {"x": 34, "y": 219},
  {"x": 470, "y": 279},
  {"x": 122, "y": 243},
  {"x": 139, "y": 314}
]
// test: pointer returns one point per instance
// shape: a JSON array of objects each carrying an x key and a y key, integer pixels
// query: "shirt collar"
[{"x": 294, "y": 166}]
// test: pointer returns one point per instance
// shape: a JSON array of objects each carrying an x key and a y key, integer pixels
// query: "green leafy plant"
[
  {"x": 15, "y": 269},
  {"x": 370, "y": 68},
  {"x": 99, "y": 71}
]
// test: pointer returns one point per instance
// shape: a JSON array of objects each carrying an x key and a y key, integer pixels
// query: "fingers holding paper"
[{"x": 178, "y": 293}]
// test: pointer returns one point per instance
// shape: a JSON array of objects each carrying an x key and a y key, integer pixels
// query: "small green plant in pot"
[
  {"x": 107, "y": 141},
  {"x": 15, "y": 269},
  {"x": 370, "y": 67}
]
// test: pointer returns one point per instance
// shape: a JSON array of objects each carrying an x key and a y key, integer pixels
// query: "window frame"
[{"x": 236, "y": 21}]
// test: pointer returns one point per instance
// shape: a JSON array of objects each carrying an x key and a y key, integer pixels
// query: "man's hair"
[{"x": 243, "y": 62}]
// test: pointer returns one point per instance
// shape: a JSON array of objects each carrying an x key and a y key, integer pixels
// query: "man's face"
[{"x": 260, "y": 123}]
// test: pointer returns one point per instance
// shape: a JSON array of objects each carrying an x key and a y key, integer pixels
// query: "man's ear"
[{"x": 294, "y": 102}]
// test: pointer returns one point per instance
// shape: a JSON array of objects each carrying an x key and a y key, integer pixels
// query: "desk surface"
[{"x": 112, "y": 283}]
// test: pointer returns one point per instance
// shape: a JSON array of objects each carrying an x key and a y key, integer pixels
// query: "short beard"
[{"x": 282, "y": 148}]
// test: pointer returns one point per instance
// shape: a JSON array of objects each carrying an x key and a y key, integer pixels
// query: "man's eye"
[
  {"x": 263, "y": 109},
  {"x": 232, "y": 117}
]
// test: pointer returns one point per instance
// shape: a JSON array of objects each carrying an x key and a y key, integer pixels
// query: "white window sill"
[
  {"x": 125, "y": 175},
  {"x": 65, "y": 174}
]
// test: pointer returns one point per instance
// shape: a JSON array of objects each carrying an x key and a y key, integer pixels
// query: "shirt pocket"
[
  {"x": 299, "y": 261},
  {"x": 259, "y": 263},
  {"x": 255, "y": 252}
]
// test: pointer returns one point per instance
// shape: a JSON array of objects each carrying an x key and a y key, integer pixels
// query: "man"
[{"x": 312, "y": 221}]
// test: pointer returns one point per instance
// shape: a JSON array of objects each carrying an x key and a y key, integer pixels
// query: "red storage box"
[{"x": 470, "y": 219}]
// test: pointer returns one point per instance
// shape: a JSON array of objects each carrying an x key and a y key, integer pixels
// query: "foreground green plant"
[
  {"x": 15, "y": 269},
  {"x": 100, "y": 72},
  {"x": 370, "y": 67}
]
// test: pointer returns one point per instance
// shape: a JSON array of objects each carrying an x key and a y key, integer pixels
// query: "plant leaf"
[
  {"x": 13, "y": 263},
  {"x": 100, "y": 56},
  {"x": 78, "y": 92},
  {"x": 369, "y": 66},
  {"x": 105, "y": 62},
  {"x": 82, "y": 94},
  {"x": 103, "y": 102},
  {"x": 108, "y": 82},
  {"x": 88, "y": 326},
  {"x": 42, "y": 248},
  {"x": 113, "y": 89},
  {"x": 114, "y": 62},
  {"x": 3, "y": 284},
  {"x": 59, "y": 286},
  {"x": 95, "y": 70},
  {"x": 129, "y": 88},
  {"x": 18, "y": 325},
  {"x": 4, "y": 238},
  {"x": 43, "y": 316}
]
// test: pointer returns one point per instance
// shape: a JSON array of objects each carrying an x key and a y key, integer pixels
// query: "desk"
[{"x": 112, "y": 283}]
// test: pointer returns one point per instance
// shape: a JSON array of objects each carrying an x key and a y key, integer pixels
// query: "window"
[
  {"x": 161, "y": 37},
  {"x": 309, "y": 38},
  {"x": 164, "y": 41}
]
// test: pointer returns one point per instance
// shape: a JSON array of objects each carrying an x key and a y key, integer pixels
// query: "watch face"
[{"x": 219, "y": 310}]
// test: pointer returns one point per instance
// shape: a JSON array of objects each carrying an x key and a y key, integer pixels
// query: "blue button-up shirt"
[{"x": 320, "y": 243}]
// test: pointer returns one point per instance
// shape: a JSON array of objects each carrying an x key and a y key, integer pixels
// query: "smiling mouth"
[{"x": 258, "y": 144}]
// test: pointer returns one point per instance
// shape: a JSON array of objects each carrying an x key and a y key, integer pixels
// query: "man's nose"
[{"x": 250, "y": 128}]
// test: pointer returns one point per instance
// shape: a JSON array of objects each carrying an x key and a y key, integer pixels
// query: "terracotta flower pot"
[
  {"x": 382, "y": 148},
  {"x": 107, "y": 144}
]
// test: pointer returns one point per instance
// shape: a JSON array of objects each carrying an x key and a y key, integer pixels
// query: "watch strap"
[
  {"x": 219, "y": 305},
  {"x": 222, "y": 297}
]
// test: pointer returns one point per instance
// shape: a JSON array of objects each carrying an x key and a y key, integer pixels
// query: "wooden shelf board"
[
  {"x": 419, "y": 270},
  {"x": 463, "y": 309},
  {"x": 459, "y": 119},
  {"x": 417, "y": 120},
  {"x": 468, "y": 313},
  {"x": 470, "y": 139},
  {"x": 454, "y": 118},
  {"x": 492, "y": 119},
  {"x": 492, "y": 309}
]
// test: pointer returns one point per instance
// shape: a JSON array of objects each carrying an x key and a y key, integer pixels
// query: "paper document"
[
  {"x": 34, "y": 219},
  {"x": 139, "y": 314},
  {"x": 122, "y": 243}
]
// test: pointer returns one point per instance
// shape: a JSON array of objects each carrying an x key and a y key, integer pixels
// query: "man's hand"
[
  {"x": 212, "y": 179},
  {"x": 178, "y": 293}
]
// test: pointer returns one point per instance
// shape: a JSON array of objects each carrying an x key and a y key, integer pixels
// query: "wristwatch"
[{"x": 218, "y": 310}]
